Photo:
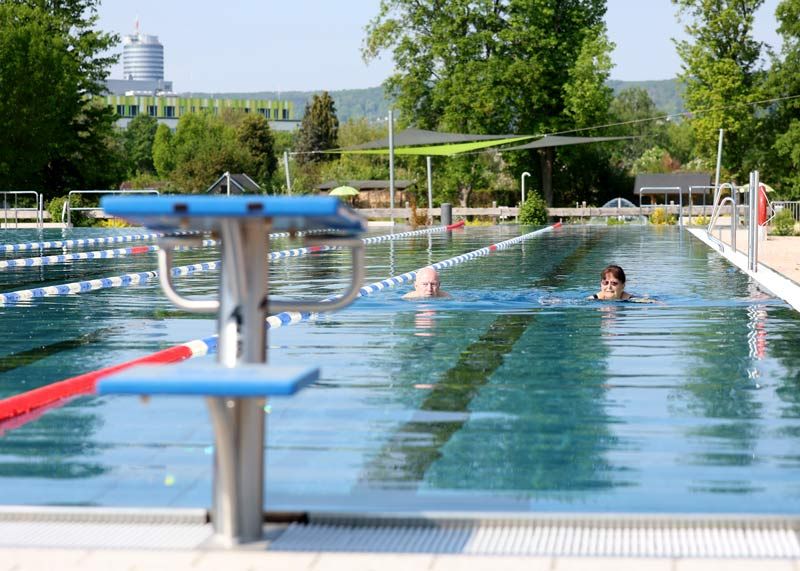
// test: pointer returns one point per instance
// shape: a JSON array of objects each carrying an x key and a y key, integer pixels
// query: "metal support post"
[
  {"x": 240, "y": 421},
  {"x": 522, "y": 184},
  {"x": 754, "y": 207},
  {"x": 734, "y": 214},
  {"x": 391, "y": 165},
  {"x": 447, "y": 214},
  {"x": 719, "y": 167},
  {"x": 286, "y": 170},
  {"x": 430, "y": 191}
]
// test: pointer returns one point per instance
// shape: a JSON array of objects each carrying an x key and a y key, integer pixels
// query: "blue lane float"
[
  {"x": 94, "y": 255},
  {"x": 83, "y": 242}
]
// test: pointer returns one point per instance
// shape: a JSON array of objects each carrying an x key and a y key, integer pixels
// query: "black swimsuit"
[{"x": 594, "y": 296}]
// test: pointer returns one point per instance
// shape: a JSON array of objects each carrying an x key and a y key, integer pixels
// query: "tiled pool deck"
[{"x": 97, "y": 560}]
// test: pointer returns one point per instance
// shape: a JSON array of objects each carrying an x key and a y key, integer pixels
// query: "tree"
[
  {"x": 139, "y": 138},
  {"x": 319, "y": 129},
  {"x": 54, "y": 136},
  {"x": 722, "y": 74},
  {"x": 254, "y": 134},
  {"x": 203, "y": 147},
  {"x": 163, "y": 155},
  {"x": 635, "y": 112},
  {"x": 501, "y": 66},
  {"x": 782, "y": 128}
]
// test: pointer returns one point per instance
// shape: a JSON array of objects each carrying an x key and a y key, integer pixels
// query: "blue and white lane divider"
[
  {"x": 95, "y": 255},
  {"x": 199, "y": 347},
  {"x": 102, "y": 283},
  {"x": 142, "y": 277},
  {"x": 289, "y": 317},
  {"x": 82, "y": 242}
]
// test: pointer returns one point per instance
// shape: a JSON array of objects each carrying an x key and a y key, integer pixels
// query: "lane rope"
[
  {"x": 94, "y": 255},
  {"x": 142, "y": 277},
  {"x": 84, "y": 384},
  {"x": 81, "y": 242}
]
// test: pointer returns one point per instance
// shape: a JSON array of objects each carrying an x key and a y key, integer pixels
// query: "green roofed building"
[{"x": 169, "y": 108}]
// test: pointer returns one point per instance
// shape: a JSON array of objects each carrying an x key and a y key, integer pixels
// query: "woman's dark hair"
[{"x": 615, "y": 271}]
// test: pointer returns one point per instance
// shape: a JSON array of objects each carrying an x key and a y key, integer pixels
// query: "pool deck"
[{"x": 97, "y": 560}]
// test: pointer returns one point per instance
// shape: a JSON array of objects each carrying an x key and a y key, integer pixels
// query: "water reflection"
[{"x": 424, "y": 322}]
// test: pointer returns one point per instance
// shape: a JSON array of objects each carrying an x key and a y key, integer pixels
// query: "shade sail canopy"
[
  {"x": 437, "y": 150},
  {"x": 420, "y": 142},
  {"x": 413, "y": 137},
  {"x": 561, "y": 140}
]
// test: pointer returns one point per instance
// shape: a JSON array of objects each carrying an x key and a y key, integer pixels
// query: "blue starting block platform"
[
  {"x": 237, "y": 387},
  {"x": 286, "y": 213},
  {"x": 190, "y": 378}
]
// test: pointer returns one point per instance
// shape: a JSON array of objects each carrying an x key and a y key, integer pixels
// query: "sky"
[{"x": 313, "y": 45}]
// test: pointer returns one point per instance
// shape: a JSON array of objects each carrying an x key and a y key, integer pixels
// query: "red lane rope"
[
  {"x": 458, "y": 224},
  {"x": 81, "y": 384}
]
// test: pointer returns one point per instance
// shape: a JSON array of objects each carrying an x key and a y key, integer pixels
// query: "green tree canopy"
[
  {"x": 204, "y": 146},
  {"x": 139, "y": 137},
  {"x": 319, "y": 129},
  {"x": 722, "y": 74},
  {"x": 255, "y": 136},
  {"x": 782, "y": 128},
  {"x": 497, "y": 66},
  {"x": 54, "y": 136}
]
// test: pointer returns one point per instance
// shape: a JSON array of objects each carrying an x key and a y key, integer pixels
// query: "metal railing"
[
  {"x": 37, "y": 209},
  {"x": 66, "y": 214},
  {"x": 777, "y": 205},
  {"x": 750, "y": 218}
]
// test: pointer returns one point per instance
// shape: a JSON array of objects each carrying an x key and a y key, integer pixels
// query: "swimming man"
[{"x": 426, "y": 284}]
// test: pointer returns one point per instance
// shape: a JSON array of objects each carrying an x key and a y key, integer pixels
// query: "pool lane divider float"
[
  {"x": 82, "y": 242},
  {"x": 95, "y": 255},
  {"x": 143, "y": 277},
  {"x": 84, "y": 384}
]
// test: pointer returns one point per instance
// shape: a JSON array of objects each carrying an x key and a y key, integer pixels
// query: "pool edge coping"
[{"x": 773, "y": 282}]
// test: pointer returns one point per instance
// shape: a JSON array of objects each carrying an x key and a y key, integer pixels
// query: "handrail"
[
  {"x": 715, "y": 215},
  {"x": 70, "y": 208},
  {"x": 717, "y": 205},
  {"x": 37, "y": 208}
]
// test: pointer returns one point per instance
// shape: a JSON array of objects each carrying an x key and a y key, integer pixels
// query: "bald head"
[{"x": 426, "y": 283}]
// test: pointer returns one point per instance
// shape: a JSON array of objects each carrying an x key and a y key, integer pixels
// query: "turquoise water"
[{"x": 517, "y": 394}]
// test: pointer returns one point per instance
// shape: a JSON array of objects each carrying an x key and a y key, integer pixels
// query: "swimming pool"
[{"x": 518, "y": 394}]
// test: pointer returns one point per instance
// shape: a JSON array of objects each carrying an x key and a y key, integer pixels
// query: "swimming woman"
[{"x": 612, "y": 285}]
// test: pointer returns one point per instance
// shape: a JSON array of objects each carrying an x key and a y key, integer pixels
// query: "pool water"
[{"x": 516, "y": 394}]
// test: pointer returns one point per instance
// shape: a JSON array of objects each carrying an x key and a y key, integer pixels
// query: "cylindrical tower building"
[{"x": 142, "y": 58}]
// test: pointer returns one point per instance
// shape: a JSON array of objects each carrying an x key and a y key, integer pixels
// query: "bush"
[
  {"x": 534, "y": 211},
  {"x": 659, "y": 216},
  {"x": 56, "y": 205},
  {"x": 113, "y": 223},
  {"x": 615, "y": 221},
  {"x": 783, "y": 223}
]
